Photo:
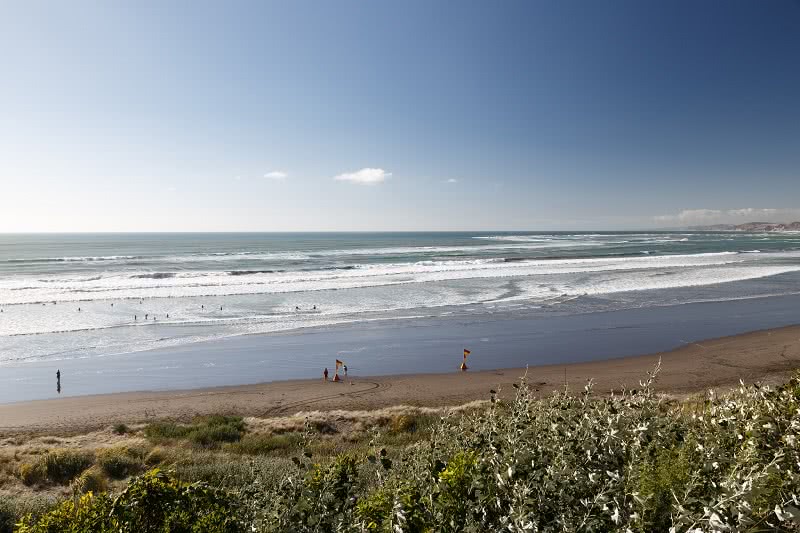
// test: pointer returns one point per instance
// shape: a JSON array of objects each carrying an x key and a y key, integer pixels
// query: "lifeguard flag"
[
  {"x": 338, "y": 363},
  {"x": 466, "y": 353}
]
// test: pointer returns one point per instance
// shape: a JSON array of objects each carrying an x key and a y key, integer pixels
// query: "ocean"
[{"x": 82, "y": 296}]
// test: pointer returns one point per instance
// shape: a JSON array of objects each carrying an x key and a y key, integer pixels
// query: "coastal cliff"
[{"x": 751, "y": 226}]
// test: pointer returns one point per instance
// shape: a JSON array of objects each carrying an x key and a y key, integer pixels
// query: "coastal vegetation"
[{"x": 630, "y": 461}]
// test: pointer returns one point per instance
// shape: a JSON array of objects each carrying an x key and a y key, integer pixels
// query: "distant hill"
[{"x": 751, "y": 226}]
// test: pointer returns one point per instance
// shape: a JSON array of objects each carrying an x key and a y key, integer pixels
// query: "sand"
[{"x": 767, "y": 356}]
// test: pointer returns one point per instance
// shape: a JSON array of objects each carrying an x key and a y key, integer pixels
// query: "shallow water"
[{"x": 202, "y": 287}]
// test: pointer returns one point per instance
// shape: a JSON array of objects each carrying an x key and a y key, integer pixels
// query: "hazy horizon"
[{"x": 422, "y": 116}]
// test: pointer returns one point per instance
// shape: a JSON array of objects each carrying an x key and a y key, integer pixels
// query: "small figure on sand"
[
  {"x": 146, "y": 315},
  {"x": 220, "y": 308},
  {"x": 315, "y": 308},
  {"x": 58, "y": 381},
  {"x": 344, "y": 367},
  {"x": 325, "y": 374},
  {"x": 167, "y": 315},
  {"x": 202, "y": 307},
  {"x": 296, "y": 307},
  {"x": 135, "y": 317},
  {"x": 79, "y": 309}
]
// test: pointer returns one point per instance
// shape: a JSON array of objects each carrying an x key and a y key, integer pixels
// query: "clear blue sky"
[{"x": 198, "y": 116}]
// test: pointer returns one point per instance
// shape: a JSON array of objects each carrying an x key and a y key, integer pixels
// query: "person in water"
[{"x": 325, "y": 374}]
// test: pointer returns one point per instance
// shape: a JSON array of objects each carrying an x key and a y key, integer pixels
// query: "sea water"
[{"x": 66, "y": 296}]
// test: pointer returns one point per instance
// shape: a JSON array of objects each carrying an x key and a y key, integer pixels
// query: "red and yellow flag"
[
  {"x": 338, "y": 364},
  {"x": 466, "y": 353}
]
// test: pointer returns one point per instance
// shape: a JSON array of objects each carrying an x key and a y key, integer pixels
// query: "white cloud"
[
  {"x": 276, "y": 175},
  {"x": 365, "y": 176},
  {"x": 730, "y": 216},
  {"x": 452, "y": 180}
]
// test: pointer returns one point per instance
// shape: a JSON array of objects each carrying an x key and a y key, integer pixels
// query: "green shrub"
[
  {"x": 121, "y": 429},
  {"x": 153, "y": 503},
  {"x": 15, "y": 508},
  {"x": 664, "y": 474},
  {"x": 89, "y": 513},
  {"x": 375, "y": 509}
]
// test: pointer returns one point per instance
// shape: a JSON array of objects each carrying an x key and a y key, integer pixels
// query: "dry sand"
[{"x": 763, "y": 356}]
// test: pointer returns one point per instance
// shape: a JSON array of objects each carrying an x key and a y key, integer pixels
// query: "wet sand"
[{"x": 763, "y": 356}]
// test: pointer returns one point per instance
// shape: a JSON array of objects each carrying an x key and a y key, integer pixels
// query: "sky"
[{"x": 407, "y": 115}]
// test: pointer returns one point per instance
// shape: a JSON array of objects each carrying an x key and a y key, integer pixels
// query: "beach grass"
[
  {"x": 205, "y": 431},
  {"x": 633, "y": 461}
]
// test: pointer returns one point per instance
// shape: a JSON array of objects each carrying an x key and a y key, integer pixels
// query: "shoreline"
[
  {"x": 509, "y": 340},
  {"x": 767, "y": 356}
]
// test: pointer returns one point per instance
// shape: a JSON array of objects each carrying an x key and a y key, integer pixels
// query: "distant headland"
[{"x": 777, "y": 227}]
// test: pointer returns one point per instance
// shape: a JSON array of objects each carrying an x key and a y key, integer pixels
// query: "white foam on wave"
[{"x": 189, "y": 284}]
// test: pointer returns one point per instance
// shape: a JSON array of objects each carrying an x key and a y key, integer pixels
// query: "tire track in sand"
[{"x": 282, "y": 409}]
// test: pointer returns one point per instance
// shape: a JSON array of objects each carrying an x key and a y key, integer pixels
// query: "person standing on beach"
[
  {"x": 325, "y": 374},
  {"x": 344, "y": 367},
  {"x": 58, "y": 381}
]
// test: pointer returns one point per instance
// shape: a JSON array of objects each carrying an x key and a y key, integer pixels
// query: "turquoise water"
[{"x": 213, "y": 286}]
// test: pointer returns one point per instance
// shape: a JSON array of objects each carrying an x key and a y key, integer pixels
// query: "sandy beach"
[{"x": 762, "y": 356}]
